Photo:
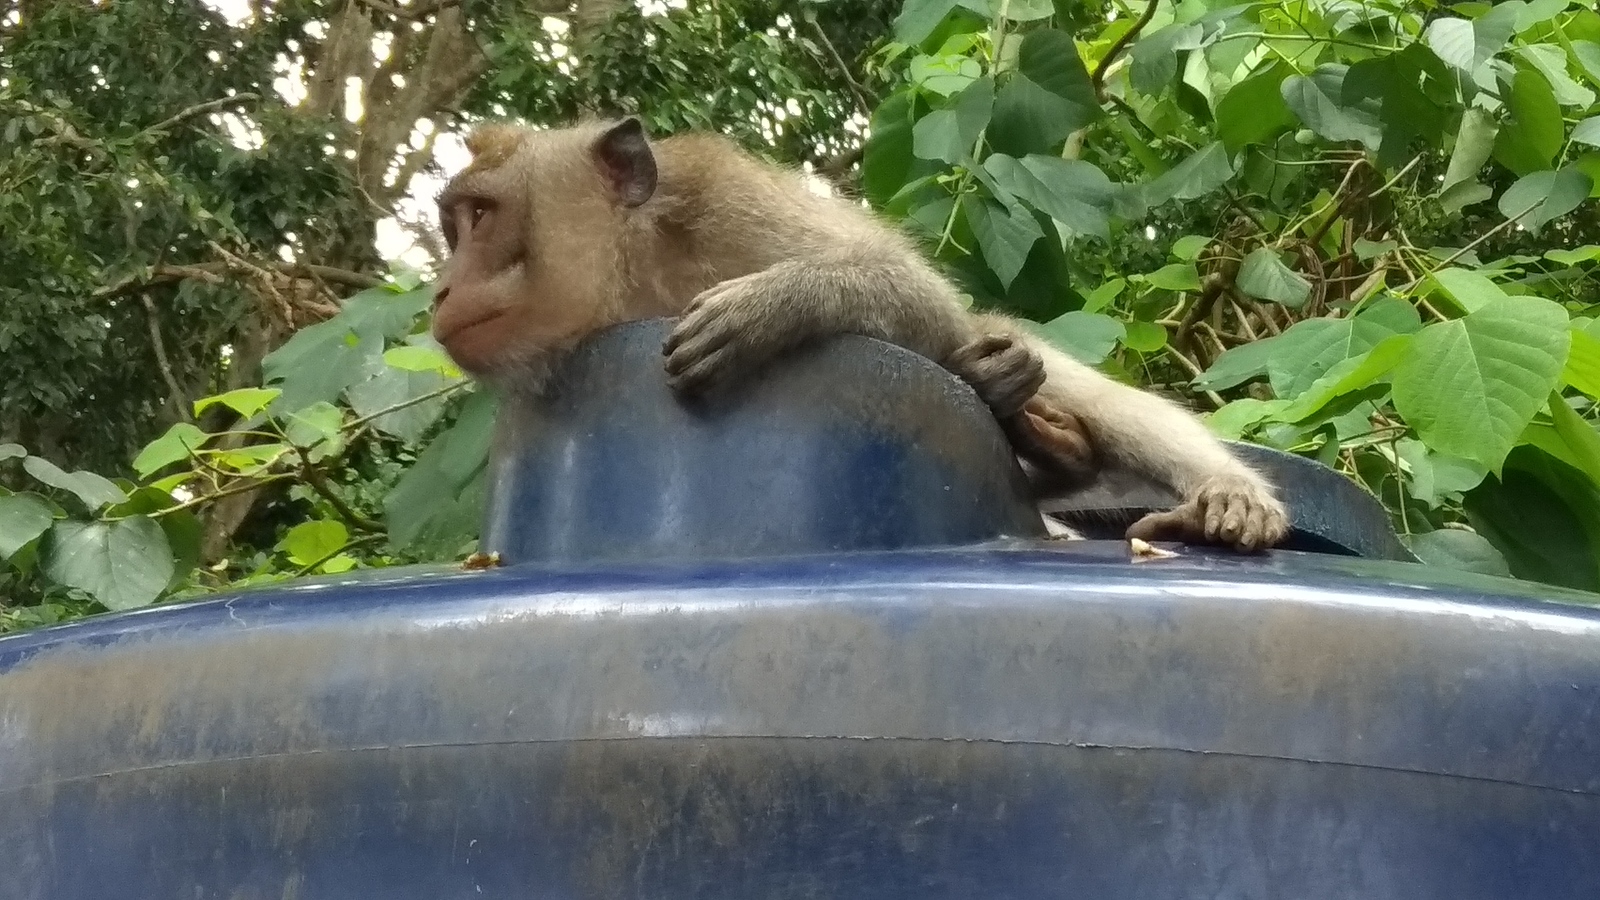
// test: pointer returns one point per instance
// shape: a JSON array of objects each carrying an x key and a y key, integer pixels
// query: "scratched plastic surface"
[{"x": 1007, "y": 719}]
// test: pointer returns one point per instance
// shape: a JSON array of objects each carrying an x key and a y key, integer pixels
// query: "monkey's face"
[{"x": 535, "y": 235}]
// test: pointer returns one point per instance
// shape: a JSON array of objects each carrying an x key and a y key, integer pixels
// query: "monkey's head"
[{"x": 538, "y": 228}]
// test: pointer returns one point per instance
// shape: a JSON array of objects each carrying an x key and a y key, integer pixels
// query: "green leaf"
[
  {"x": 1588, "y": 55},
  {"x": 1470, "y": 386},
  {"x": 949, "y": 135},
  {"x": 421, "y": 359},
  {"x": 944, "y": 75},
  {"x": 314, "y": 425},
  {"x": 1469, "y": 290},
  {"x": 1238, "y": 364},
  {"x": 1453, "y": 40},
  {"x": 1317, "y": 100},
  {"x": 1154, "y": 56},
  {"x": 23, "y": 517},
  {"x": 1234, "y": 419},
  {"x": 391, "y": 387},
  {"x": 1145, "y": 337},
  {"x": 1551, "y": 61},
  {"x": 1005, "y": 234},
  {"x": 1587, "y": 132},
  {"x": 314, "y": 541},
  {"x": 1073, "y": 192},
  {"x": 1253, "y": 111},
  {"x": 1463, "y": 194},
  {"x": 1532, "y": 135},
  {"x": 1541, "y": 197},
  {"x": 887, "y": 161},
  {"x": 918, "y": 18},
  {"x": 174, "y": 446},
  {"x": 437, "y": 503},
  {"x": 123, "y": 564},
  {"x": 1203, "y": 172},
  {"x": 1456, "y": 548},
  {"x": 1406, "y": 108},
  {"x": 1311, "y": 349},
  {"x": 1175, "y": 277},
  {"x": 1583, "y": 363},
  {"x": 94, "y": 490},
  {"x": 1543, "y": 516},
  {"x": 1474, "y": 144},
  {"x": 1579, "y": 436},
  {"x": 1574, "y": 256},
  {"x": 1087, "y": 337},
  {"x": 1046, "y": 98},
  {"x": 1264, "y": 276},
  {"x": 1189, "y": 247},
  {"x": 1348, "y": 376},
  {"x": 244, "y": 401},
  {"x": 1104, "y": 295}
]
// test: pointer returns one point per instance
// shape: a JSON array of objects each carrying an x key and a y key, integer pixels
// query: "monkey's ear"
[{"x": 625, "y": 161}]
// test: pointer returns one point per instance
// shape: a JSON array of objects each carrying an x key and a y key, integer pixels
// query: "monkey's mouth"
[{"x": 456, "y": 332}]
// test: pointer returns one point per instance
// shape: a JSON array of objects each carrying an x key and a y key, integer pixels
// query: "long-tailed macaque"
[{"x": 559, "y": 233}]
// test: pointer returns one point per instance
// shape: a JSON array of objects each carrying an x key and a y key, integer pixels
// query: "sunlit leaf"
[
  {"x": 175, "y": 445},
  {"x": 312, "y": 541},
  {"x": 244, "y": 401},
  {"x": 1582, "y": 370},
  {"x": 421, "y": 359},
  {"x": 1175, "y": 277},
  {"x": 1469, "y": 290},
  {"x": 1471, "y": 385}
]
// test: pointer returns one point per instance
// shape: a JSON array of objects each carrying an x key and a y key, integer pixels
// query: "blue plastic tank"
[{"x": 811, "y": 682}]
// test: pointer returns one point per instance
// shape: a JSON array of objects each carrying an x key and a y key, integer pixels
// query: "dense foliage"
[{"x": 1359, "y": 231}]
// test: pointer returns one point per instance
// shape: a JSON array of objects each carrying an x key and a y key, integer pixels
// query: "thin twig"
[
  {"x": 1194, "y": 372},
  {"x": 1474, "y": 243},
  {"x": 357, "y": 423},
  {"x": 1099, "y": 77},
  {"x": 319, "y": 483},
  {"x": 162, "y": 361},
  {"x": 357, "y": 542},
  {"x": 200, "y": 109},
  {"x": 863, "y": 100}
]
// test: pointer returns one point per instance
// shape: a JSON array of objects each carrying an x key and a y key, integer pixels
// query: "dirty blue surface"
[{"x": 812, "y": 712}]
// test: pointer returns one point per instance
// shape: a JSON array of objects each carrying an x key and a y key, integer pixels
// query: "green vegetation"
[{"x": 1360, "y": 231}]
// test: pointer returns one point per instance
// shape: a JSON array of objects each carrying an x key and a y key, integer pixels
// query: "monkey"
[{"x": 555, "y": 234}]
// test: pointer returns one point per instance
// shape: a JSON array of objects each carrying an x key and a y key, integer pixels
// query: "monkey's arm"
[{"x": 1223, "y": 498}]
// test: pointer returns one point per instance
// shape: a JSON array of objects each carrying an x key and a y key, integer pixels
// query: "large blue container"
[{"x": 959, "y": 710}]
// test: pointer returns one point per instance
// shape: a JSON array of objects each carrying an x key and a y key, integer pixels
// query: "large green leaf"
[
  {"x": 1348, "y": 376},
  {"x": 1541, "y": 197},
  {"x": 1203, "y": 172},
  {"x": 122, "y": 564},
  {"x": 390, "y": 388},
  {"x": 1311, "y": 349},
  {"x": 244, "y": 401},
  {"x": 1471, "y": 385},
  {"x": 1253, "y": 111},
  {"x": 1088, "y": 337},
  {"x": 1467, "y": 289},
  {"x": 1046, "y": 98},
  {"x": 1551, "y": 61},
  {"x": 1265, "y": 277},
  {"x": 1239, "y": 364},
  {"x": 1474, "y": 144},
  {"x": 1579, "y": 436},
  {"x": 1457, "y": 548},
  {"x": 94, "y": 490},
  {"x": 1075, "y": 193},
  {"x": 175, "y": 445},
  {"x": 1005, "y": 232},
  {"x": 918, "y": 18},
  {"x": 950, "y": 135},
  {"x": 23, "y": 517},
  {"x": 1155, "y": 56},
  {"x": 1318, "y": 100},
  {"x": 1532, "y": 134},
  {"x": 434, "y": 506},
  {"x": 1583, "y": 363},
  {"x": 314, "y": 541},
  {"x": 1407, "y": 109},
  {"x": 1544, "y": 516},
  {"x": 887, "y": 161}
]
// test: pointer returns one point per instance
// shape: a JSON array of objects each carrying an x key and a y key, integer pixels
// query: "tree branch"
[
  {"x": 1099, "y": 77},
  {"x": 176, "y": 395},
  {"x": 200, "y": 109}
]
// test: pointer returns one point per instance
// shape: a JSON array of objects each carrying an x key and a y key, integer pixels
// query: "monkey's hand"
[
  {"x": 1004, "y": 372},
  {"x": 1225, "y": 509},
  {"x": 732, "y": 329},
  {"x": 1055, "y": 442}
]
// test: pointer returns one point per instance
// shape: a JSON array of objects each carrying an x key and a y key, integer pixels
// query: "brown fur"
[{"x": 588, "y": 226}]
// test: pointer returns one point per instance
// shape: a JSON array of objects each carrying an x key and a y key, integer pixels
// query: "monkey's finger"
[
  {"x": 1174, "y": 524},
  {"x": 693, "y": 325},
  {"x": 700, "y": 374}
]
